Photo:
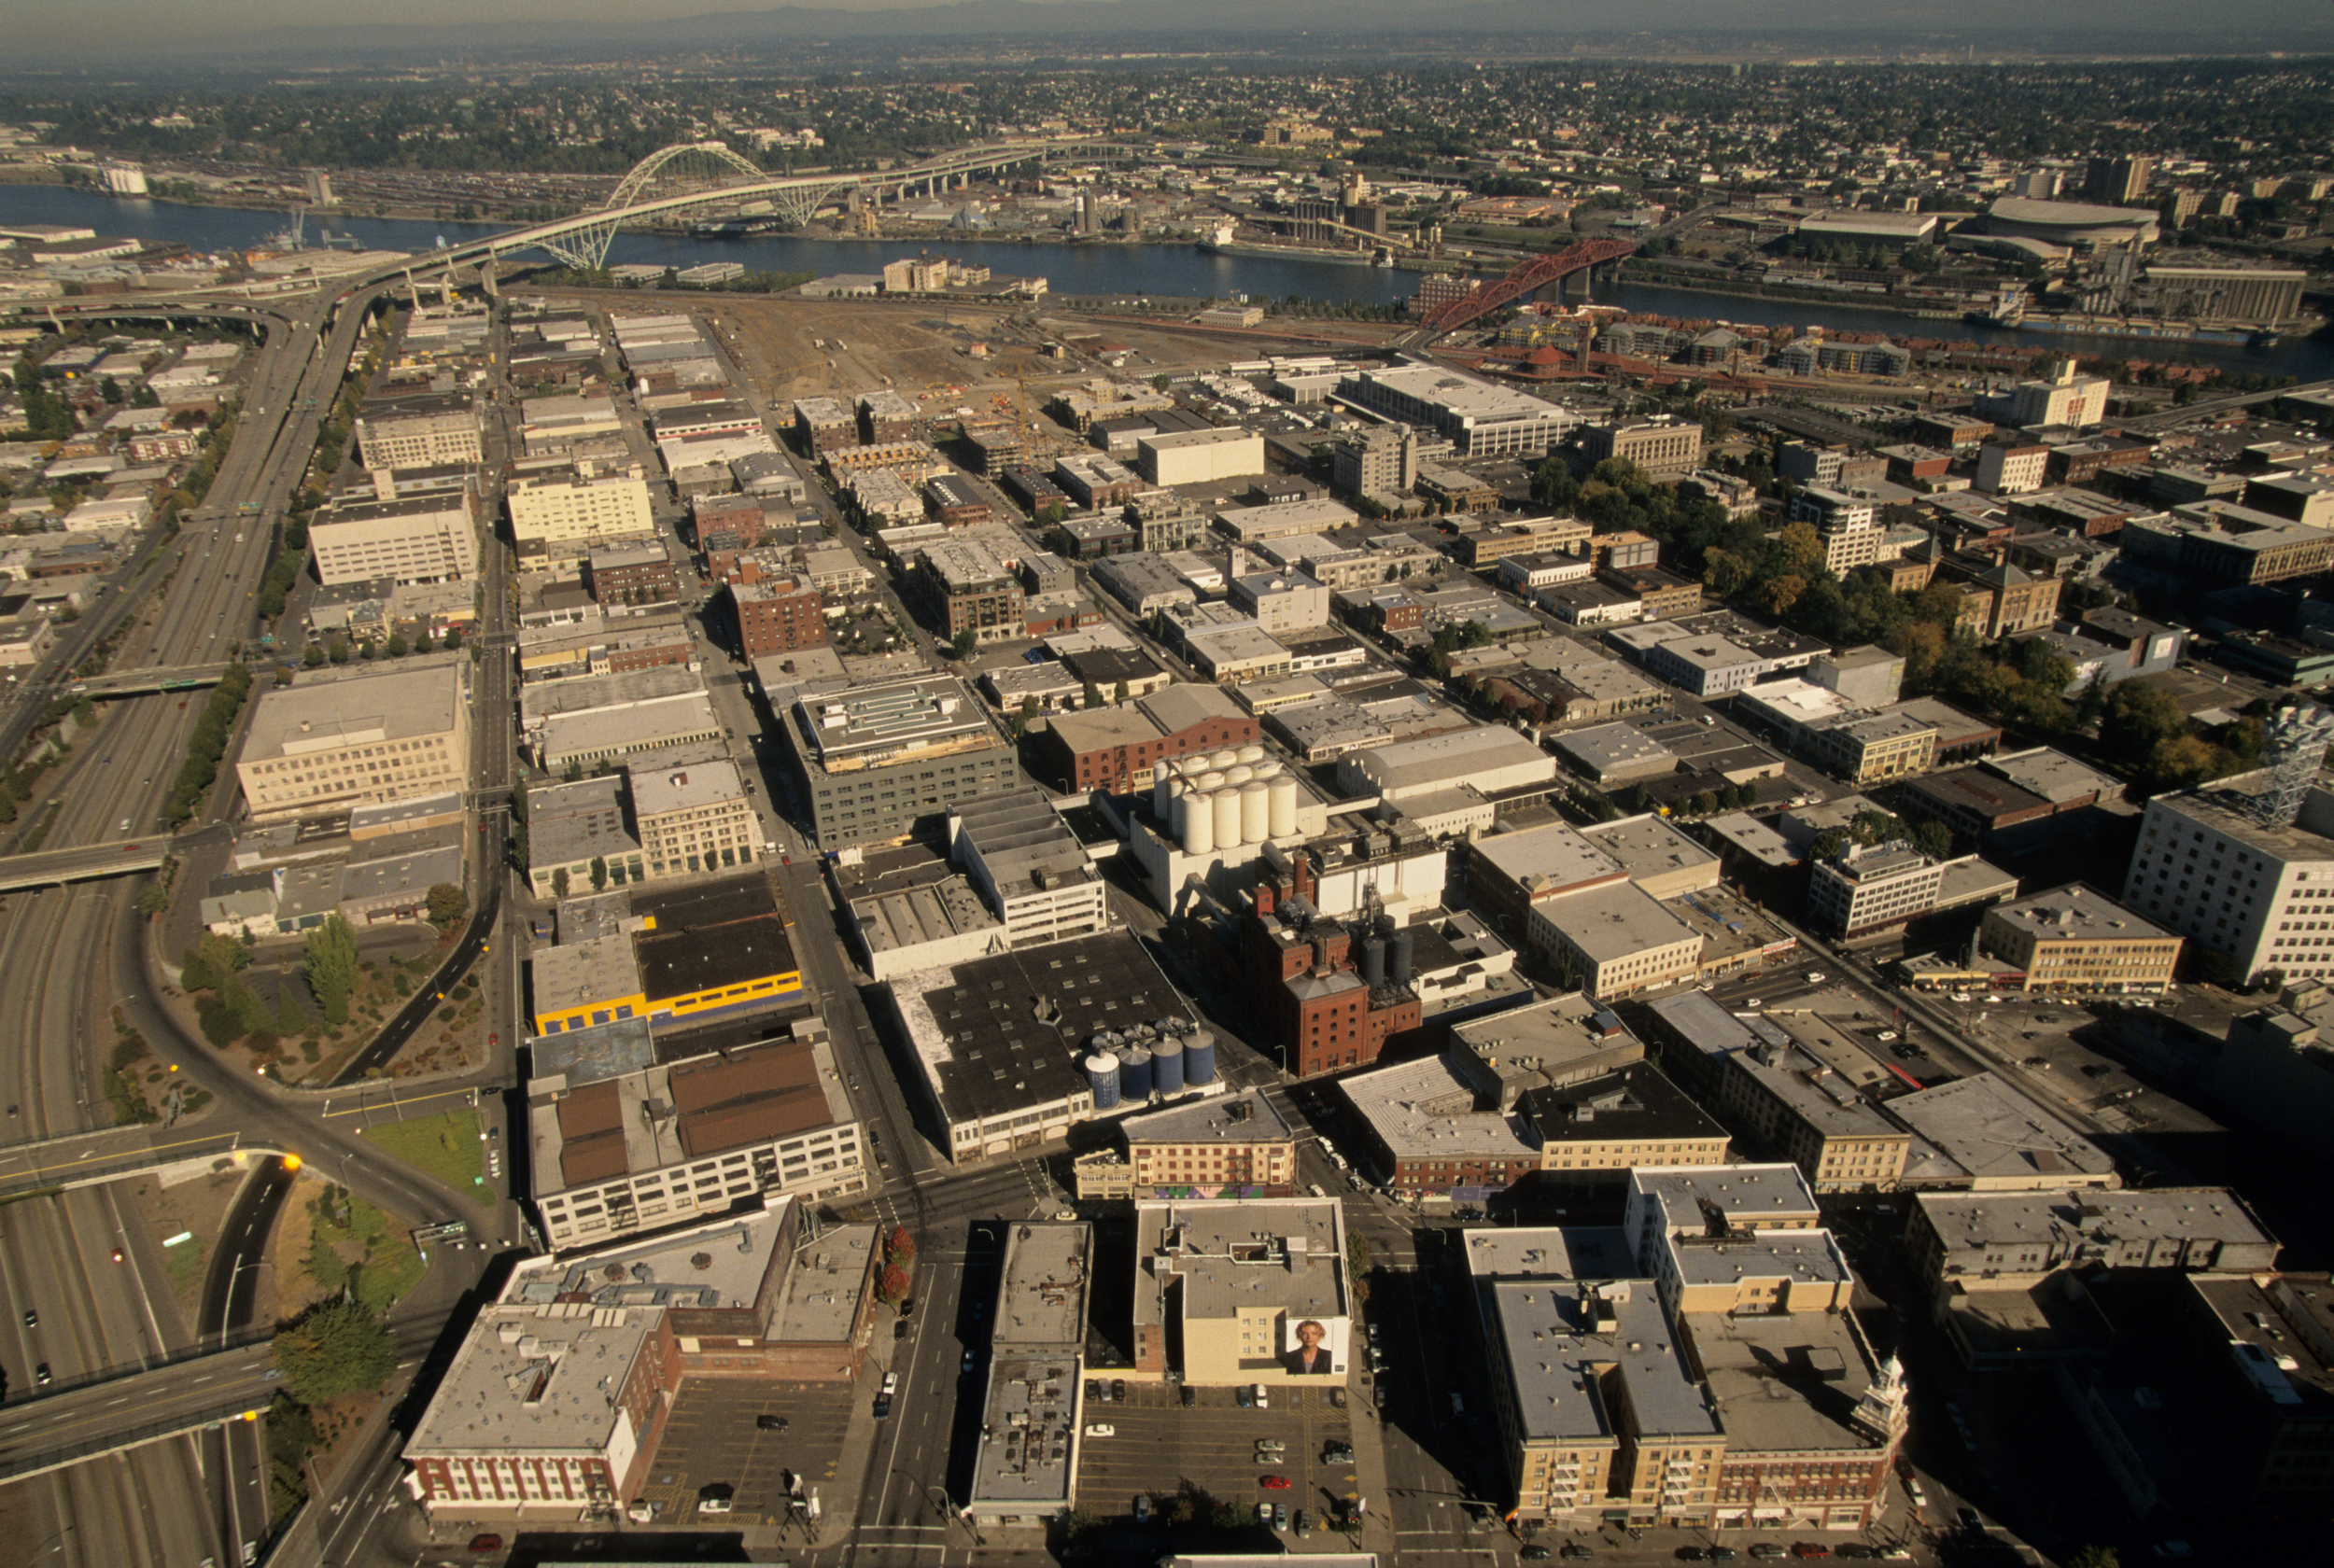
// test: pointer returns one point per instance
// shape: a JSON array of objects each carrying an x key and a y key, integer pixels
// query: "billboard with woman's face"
[{"x": 1313, "y": 1347}]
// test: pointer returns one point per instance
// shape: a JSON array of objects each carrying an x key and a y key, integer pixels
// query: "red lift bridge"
[{"x": 1519, "y": 283}]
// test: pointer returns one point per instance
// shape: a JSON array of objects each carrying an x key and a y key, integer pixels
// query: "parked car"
[
  {"x": 1142, "y": 1509},
  {"x": 1101, "y": 1429},
  {"x": 769, "y": 1423},
  {"x": 1338, "y": 1453},
  {"x": 1270, "y": 1444},
  {"x": 1337, "y": 1399},
  {"x": 1274, "y": 1483},
  {"x": 1240, "y": 1392},
  {"x": 1810, "y": 1549},
  {"x": 1264, "y": 1399},
  {"x": 1117, "y": 1391},
  {"x": 1280, "y": 1516},
  {"x": 485, "y": 1543},
  {"x": 1534, "y": 1554}
]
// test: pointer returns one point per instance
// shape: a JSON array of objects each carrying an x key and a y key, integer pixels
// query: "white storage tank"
[
  {"x": 1238, "y": 773},
  {"x": 1208, "y": 782},
  {"x": 1281, "y": 819},
  {"x": 1223, "y": 759},
  {"x": 1256, "y": 814},
  {"x": 1164, "y": 787},
  {"x": 1268, "y": 770},
  {"x": 1197, "y": 827},
  {"x": 1227, "y": 819},
  {"x": 1252, "y": 753}
]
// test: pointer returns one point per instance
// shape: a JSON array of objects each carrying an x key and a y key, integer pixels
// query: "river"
[{"x": 1176, "y": 271}]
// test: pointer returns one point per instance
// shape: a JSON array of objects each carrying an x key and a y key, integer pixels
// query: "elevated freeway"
[{"x": 85, "y": 863}]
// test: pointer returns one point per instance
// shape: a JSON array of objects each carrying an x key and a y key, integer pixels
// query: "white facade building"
[{"x": 2263, "y": 894}]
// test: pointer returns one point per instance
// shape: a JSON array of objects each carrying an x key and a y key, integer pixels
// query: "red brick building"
[
  {"x": 1324, "y": 991},
  {"x": 1115, "y": 749},
  {"x": 644, "y": 575},
  {"x": 779, "y": 616}
]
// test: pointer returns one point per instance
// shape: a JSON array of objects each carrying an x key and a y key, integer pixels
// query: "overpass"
[
  {"x": 2173, "y": 417},
  {"x": 137, "y": 683},
  {"x": 227, "y": 1379},
  {"x": 87, "y": 862},
  {"x": 84, "y": 1159}
]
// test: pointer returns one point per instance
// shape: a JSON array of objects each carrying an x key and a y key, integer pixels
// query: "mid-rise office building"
[
  {"x": 1660, "y": 451},
  {"x": 1225, "y": 1289},
  {"x": 874, "y": 759},
  {"x": 418, "y": 432},
  {"x": 1479, "y": 418},
  {"x": 562, "y": 515},
  {"x": 422, "y": 538},
  {"x": 694, "y": 817},
  {"x": 971, "y": 589},
  {"x": 341, "y": 739},
  {"x": 1381, "y": 459}
]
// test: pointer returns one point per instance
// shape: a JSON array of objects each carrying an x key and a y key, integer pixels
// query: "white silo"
[
  {"x": 1227, "y": 819},
  {"x": 1268, "y": 769},
  {"x": 1252, "y": 753},
  {"x": 1282, "y": 816},
  {"x": 1223, "y": 759},
  {"x": 1238, "y": 773},
  {"x": 1208, "y": 782},
  {"x": 1198, "y": 824},
  {"x": 1162, "y": 780},
  {"x": 1255, "y": 814}
]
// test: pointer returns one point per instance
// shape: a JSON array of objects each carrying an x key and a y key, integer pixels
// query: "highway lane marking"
[{"x": 399, "y": 1101}]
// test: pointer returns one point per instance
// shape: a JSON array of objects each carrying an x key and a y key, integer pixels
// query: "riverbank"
[{"x": 1658, "y": 277}]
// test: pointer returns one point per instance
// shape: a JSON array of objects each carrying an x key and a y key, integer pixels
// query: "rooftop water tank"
[
  {"x": 1199, "y": 1057},
  {"x": 1101, "y": 1077},
  {"x": 1167, "y": 1066}
]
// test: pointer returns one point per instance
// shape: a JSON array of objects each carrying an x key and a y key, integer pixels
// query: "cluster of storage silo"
[
  {"x": 1218, "y": 801},
  {"x": 1133, "y": 1065}
]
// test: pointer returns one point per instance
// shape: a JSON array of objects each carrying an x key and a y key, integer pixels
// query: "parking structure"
[{"x": 714, "y": 1438}]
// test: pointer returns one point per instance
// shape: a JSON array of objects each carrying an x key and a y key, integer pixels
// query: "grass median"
[{"x": 447, "y": 1146}]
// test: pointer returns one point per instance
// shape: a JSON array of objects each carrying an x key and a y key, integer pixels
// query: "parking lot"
[
  {"x": 713, "y": 1439},
  {"x": 1155, "y": 1445}
]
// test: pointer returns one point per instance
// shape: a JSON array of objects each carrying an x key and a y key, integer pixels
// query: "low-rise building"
[
  {"x": 694, "y": 818},
  {"x": 1232, "y": 1145},
  {"x": 425, "y": 538},
  {"x": 1242, "y": 1291},
  {"x": 1614, "y": 939},
  {"x": 1119, "y": 749},
  {"x": 358, "y": 737},
  {"x": 2076, "y": 939}
]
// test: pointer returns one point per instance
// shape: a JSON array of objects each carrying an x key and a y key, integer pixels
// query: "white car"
[{"x": 1101, "y": 1429}]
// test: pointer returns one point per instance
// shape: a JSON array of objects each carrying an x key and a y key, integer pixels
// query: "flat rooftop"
[
  {"x": 537, "y": 1378},
  {"x": 1245, "y": 1117},
  {"x": 1241, "y": 1255},
  {"x": 2053, "y": 774},
  {"x": 1999, "y": 1135},
  {"x": 717, "y": 1267},
  {"x": 1425, "y": 1110},
  {"x": 889, "y": 722},
  {"x": 1031, "y": 1413},
  {"x": 1605, "y": 749},
  {"x": 1786, "y": 1383},
  {"x": 1022, "y": 842},
  {"x": 1647, "y": 847},
  {"x": 1550, "y": 1252},
  {"x": 1635, "y": 1104},
  {"x": 1613, "y": 921},
  {"x": 985, "y": 1051},
  {"x": 1683, "y": 1199},
  {"x": 1041, "y": 1299},
  {"x": 1554, "y": 1040},
  {"x": 2039, "y": 1219},
  {"x": 1548, "y": 859},
  {"x": 2077, "y": 914},
  {"x": 377, "y": 705},
  {"x": 1558, "y": 1338},
  {"x": 1464, "y": 397}
]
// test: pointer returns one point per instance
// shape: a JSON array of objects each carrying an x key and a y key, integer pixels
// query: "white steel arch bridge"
[{"x": 581, "y": 240}]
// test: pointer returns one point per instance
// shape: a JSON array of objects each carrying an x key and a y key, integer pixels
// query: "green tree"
[
  {"x": 1090, "y": 696},
  {"x": 331, "y": 965},
  {"x": 599, "y": 873},
  {"x": 961, "y": 645},
  {"x": 446, "y": 905},
  {"x": 560, "y": 883},
  {"x": 85, "y": 714},
  {"x": 1119, "y": 693},
  {"x": 109, "y": 389},
  {"x": 2137, "y": 719},
  {"x": 337, "y": 650},
  {"x": 395, "y": 646},
  {"x": 289, "y": 1019},
  {"x": 333, "y": 1349}
]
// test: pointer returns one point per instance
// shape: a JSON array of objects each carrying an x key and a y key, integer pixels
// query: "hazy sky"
[{"x": 92, "y": 27}]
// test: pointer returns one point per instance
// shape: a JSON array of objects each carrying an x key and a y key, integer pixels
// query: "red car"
[
  {"x": 1810, "y": 1548},
  {"x": 1273, "y": 1483}
]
